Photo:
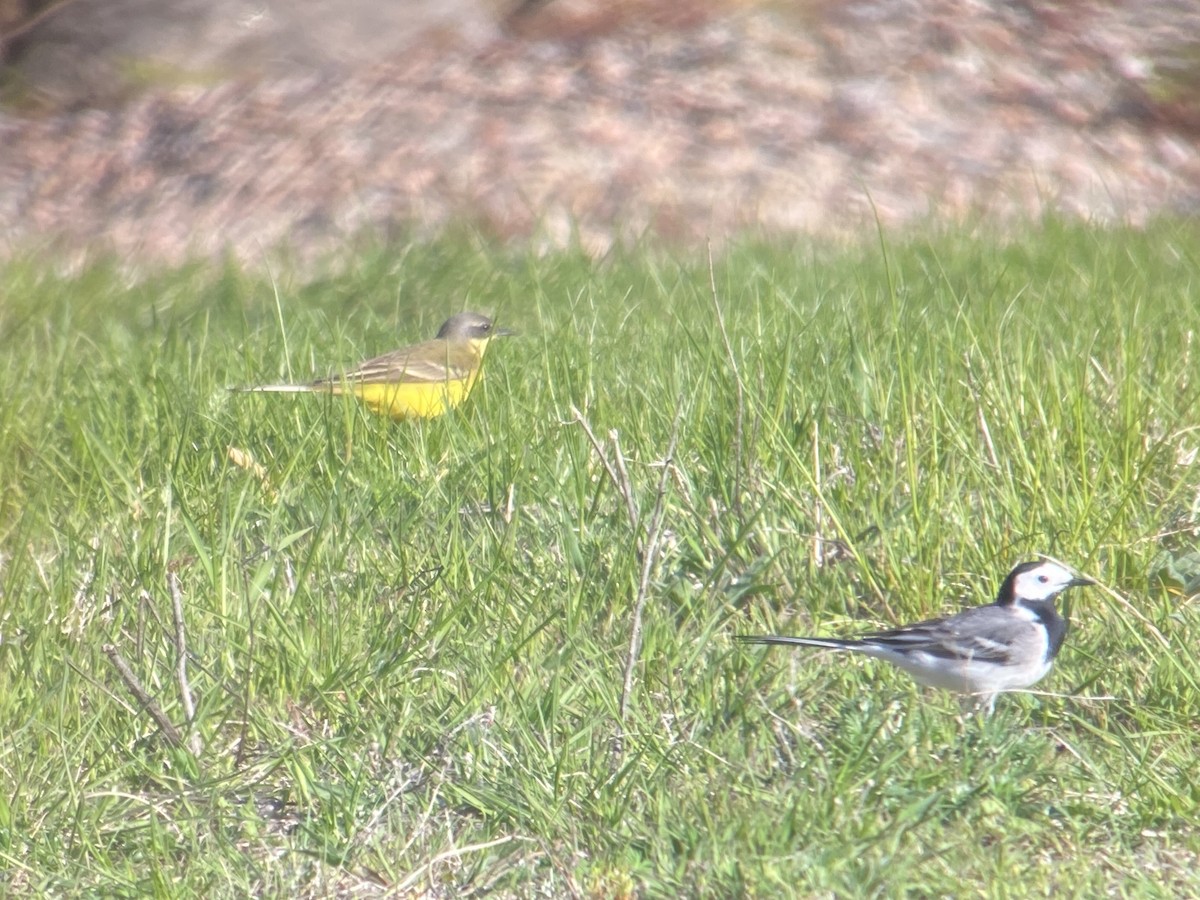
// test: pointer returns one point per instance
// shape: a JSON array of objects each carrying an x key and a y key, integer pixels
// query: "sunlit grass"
[{"x": 407, "y": 643}]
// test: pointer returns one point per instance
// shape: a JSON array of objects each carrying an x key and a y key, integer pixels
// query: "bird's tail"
[
  {"x": 824, "y": 643},
  {"x": 275, "y": 389}
]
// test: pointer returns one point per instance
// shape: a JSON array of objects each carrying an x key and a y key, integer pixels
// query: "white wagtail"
[{"x": 1004, "y": 646}]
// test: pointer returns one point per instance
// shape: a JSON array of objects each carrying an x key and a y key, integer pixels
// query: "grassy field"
[{"x": 407, "y": 646}]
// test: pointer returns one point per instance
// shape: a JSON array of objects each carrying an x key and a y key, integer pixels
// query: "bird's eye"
[{"x": 1043, "y": 578}]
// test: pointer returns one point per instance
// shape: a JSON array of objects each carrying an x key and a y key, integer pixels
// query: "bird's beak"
[
  {"x": 503, "y": 332},
  {"x": 1080, "y": 581}
]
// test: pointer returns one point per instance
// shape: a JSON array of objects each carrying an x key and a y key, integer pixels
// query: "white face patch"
[{"x": 1042, "y": 582}]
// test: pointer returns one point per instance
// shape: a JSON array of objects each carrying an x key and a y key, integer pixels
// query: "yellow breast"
[{"x": 414, "y": 400}]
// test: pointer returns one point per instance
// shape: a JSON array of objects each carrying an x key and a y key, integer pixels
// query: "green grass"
[{"x": 407, "y": 643}]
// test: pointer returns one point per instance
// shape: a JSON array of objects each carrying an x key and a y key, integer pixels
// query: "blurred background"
[{"x": 168, "y": 129}]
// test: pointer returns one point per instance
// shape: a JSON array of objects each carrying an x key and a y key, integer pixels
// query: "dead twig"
[
  {"x": 648, "y": 541},
  {"x": 185, "y": 687},
  {"x": 169, "y": 731},
  {"x": 650, "y": 552},
  {"x": 625, "y": 485},
  {"x": 415, "y": 876},
  {"x": 621, "y": 485}
]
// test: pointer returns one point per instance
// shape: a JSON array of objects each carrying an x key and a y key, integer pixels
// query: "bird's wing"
[
  {"x": 432, "y": 362},
  {"x": 983, "y": 633}
]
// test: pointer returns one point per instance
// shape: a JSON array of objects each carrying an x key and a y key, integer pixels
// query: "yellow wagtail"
[{"x": 417, "y": 382}]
